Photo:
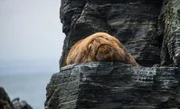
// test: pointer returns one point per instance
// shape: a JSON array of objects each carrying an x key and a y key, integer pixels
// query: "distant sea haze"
[
  {"x": 27, "y": 80},
  {"x": 29, "y": 66}
]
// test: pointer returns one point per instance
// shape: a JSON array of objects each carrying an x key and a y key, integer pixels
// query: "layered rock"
[
  {"x": 100, "y": 85},
  {"x": 133, "y": 22},
  {"x": 170, "y": 28},
  {"x": 150, "y": 31}
]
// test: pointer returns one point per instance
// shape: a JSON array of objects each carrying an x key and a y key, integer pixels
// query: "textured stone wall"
[
  {"x": 170, "y": 26},
  {"x": 100, "y": 85},
  {"x": 149, "y": 29},
  {"x": 133, "y": 22}
]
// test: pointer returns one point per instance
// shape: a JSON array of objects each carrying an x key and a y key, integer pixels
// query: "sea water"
[{"x": 27, "y": 81}]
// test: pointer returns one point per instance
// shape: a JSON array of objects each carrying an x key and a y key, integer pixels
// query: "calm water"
[{"x": 27, "y": 81}]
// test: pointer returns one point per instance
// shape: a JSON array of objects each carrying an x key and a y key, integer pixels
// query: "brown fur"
[{"x": 99, "y": 47}]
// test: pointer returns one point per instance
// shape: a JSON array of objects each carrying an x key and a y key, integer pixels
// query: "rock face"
[
  {"x": 170, "y": 28},
  {"x": 99, "y": 85},
  {"x": 143, "y": 26},
  {"x": 5, "y": 102},
  {"x": 149, "y": 29},
  {"x": 133, "y": 22}
]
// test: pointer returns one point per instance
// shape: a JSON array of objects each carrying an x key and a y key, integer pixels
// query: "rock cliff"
[
  {"x": 108, "y": 85},
  {"x": 149, "y": 29},
  {"x": 170, "y": 28}
]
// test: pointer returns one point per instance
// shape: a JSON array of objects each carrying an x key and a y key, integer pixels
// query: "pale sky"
[
  {"x": 30, "y": 34},
  {"x": 30, "y": 30}
]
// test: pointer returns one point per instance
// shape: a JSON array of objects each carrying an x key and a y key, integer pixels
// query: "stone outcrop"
[
  {"x": 149, "y": 29},
  {"x": 20, "y": 104},
  {"x": 109, "y": 85},
  {"x": 5, "y": 102},
  {"x": 133, "y": 22},
  {"x": 143, "y": 26}
]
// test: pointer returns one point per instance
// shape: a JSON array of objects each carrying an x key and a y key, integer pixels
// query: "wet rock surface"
[{"x": 109, "y": 85}]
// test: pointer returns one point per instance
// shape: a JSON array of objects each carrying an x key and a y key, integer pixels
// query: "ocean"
[{"x": 27, "y": 80}]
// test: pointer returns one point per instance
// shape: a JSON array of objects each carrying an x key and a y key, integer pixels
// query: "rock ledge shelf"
[{"x": 108, "y": 85}]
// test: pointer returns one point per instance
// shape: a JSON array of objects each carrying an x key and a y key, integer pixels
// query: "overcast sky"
[
  {"x": 31, "y": 33},
  {"x": 30, "y": 30}
]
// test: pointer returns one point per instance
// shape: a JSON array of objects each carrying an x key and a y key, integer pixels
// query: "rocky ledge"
[
  {"x": 108, "y": 85},
  {"x": 149, "y": 29}
]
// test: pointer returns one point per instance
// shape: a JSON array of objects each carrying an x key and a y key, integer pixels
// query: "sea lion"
[{"x": 99, "y": 46}]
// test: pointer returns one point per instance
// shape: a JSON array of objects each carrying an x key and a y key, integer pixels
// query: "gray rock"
[
  {"x": 20, "y": 104},
  {"x": 133, "y": 22},
  {"x": 108, "y": 85},
  {"x": 170, "y": 28},
  {"x": 149, "y": 29}
]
